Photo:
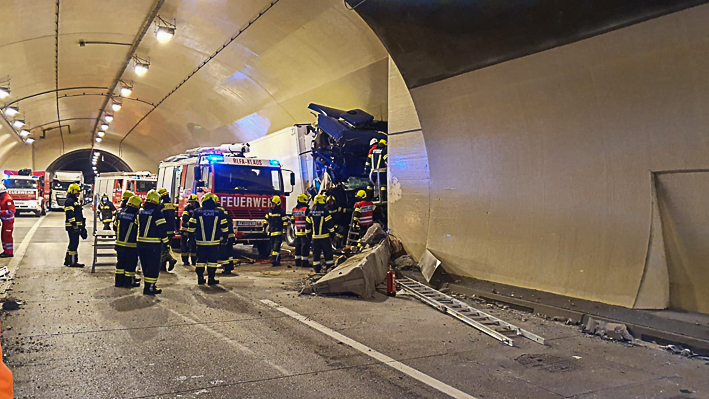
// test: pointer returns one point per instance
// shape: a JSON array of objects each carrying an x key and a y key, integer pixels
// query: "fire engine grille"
[{"x": 247, "y": 213}]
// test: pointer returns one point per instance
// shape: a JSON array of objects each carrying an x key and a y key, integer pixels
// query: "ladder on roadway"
[
  {"x": 488, "y": 324},
  {"x": 104, "y": 242}
]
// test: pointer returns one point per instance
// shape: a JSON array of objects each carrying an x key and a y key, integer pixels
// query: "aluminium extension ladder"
[
  {"x": 103, "y": 240},
  {"x": 488, "y": 324}
]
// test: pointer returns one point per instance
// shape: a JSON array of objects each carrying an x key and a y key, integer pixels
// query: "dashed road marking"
[{"x": 19, "y": 254}]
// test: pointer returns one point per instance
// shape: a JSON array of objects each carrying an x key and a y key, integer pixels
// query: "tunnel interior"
[{"x": 81, "y": 160}]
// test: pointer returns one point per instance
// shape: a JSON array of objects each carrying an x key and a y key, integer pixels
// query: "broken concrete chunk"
[
  {"x": 374, "y": 235},
  {"x": 405, "y": 262},
  {"x": 612, "y": 331},
  {"x": 429, "y": 265},
  {"x": 359, "y": 275}
]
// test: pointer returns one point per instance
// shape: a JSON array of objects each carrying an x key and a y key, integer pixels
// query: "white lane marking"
[
  {"x": 411, "y": 372},
  {"x": 19, "y": 254},
  {"x": 230, "y": 341}
]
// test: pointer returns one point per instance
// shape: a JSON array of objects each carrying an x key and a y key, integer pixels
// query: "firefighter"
[
  {"x": 376, "y": 168},
  {"x": 106, "y": 212},
  {"x": 338, "y": 213},
  {"x": 209, "y": 226},
  {"x": 226, "y": 246},
  {"x": 363, "y": 216},
  {"x": 276, "y": 221},
  {"x": 167, "y": 263},
  {"x": 124, "y": 199},
  {"x": 75, "y": 225},
  {"x": 302, "y": 242},
  {"x": 319, "y": 226},
  {"x": 152, "y": 234},
  {"x": 126, "y": 227},
  {"x": 188, "y": 248},
  {"x": 7, "y": 220}
]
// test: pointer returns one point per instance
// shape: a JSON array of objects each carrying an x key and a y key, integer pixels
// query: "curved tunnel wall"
[{"x": 541, "y": 167}]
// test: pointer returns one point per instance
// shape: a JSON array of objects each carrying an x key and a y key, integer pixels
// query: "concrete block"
[{"x": 359, "y": 275}]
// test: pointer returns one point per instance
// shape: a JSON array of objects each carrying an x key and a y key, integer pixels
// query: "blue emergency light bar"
[
  {"x": 215, "y": 158},
  {"x": 275, "y": 163},
  {"x": 5, "y": 177}
]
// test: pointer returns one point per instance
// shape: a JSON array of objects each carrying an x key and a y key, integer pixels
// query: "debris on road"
[
  {"x": 11, "y": 304},
  {"x": 606, "y": 330}
]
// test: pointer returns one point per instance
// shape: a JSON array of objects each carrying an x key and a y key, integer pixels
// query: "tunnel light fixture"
[
  {"x": 99, "y": 139},
  {"x": 116, "y": 106},
  {"x": 29, "y": 140},
  {"x": 4, "y": 92},
  {"x": 140, "y": 65},
  {"x": 164, "y": 30},
  {"x": 104, "y": 126},
  {"x": 126, "y": 89},
  {"x": 18, "y": 123},
  {"x": 12, "y": 110},
  {"x": 108, "y": 118},
  {"x": 101, "y": 134},
  {"x": 24, "y": 133}
]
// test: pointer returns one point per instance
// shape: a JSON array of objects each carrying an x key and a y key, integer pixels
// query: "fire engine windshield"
[
  {"x": 20, "y": 183},
  {"x": 238, "y": 178},
  {"x": 142, "y": 186}
]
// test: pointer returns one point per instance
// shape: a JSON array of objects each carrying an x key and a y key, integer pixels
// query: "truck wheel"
[
  {"x": 264, "y": 250},
  {"x": 290, "y": 234}
]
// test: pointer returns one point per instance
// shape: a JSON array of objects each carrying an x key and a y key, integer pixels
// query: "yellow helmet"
[
  {"x": 127, "y": 194},
  {"x": 135, "y": 201},
  {"x": 74, "y": 189},
  {"x": 382, "y": 141},
  {"x": 361, "y": 194},
  {"x": 193, "y": 197},
  {"x": 104, "y": 195},
  {"x": 302, "y": 198},
  {"x": 331, "y": 198},
  {"x": 214, "y": 197},
  {"x": 153, "y": 197},
  {"x": 319, "y": 199},
  {"x": 162, "y": 191},
  {"x": 276, "y": 200}
]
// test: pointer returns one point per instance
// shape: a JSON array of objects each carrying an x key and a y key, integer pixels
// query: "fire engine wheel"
[{"x": 290, "y": 235}]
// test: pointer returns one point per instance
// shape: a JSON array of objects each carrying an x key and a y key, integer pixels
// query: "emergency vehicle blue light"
[
  {"x": 35, "y": 177},
  {"x": 215, "y": 158},
  {"x": 5, "y": 177},
  {"x": 275, "y": 163}
]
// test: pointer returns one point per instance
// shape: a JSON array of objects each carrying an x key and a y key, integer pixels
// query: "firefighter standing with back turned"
[
  {"x": 302, "y": 242},
  {"x": 320, "y": 226},
  {"x": 209, "y": 226},
  {"x": 167, "y": 263},
  {"x": 226, "y": 246},
  {"x": 124, "y": 200},
  {"x": 363, "y": 216},
  {"x": 75, "y": 225},
  {"x": 276, "y": 221},
  {"x": 152, "y": 234},
  {"x": 106, "y": 211},
  {"x": 376, "y": 167},
  {"x": 188, "y": 248},
  {"x": 7, "y": 219},
  {"x": 126, "y": 226}
]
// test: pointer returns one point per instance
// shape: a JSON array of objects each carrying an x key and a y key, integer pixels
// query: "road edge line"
[{"x": 19, "y": 255}]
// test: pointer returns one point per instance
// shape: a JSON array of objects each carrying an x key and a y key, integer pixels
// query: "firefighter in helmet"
[
  {"x": 209, "y": 226},
  {"x": 188, "y": 247},
  {"x": 320, "y": 226},
  {"x": 226, "y": 246},
  {"x": 152, "y": 234},
  {"x": 167, "y": 263},
  {"x": 376, "y": 168},
  {"x": 124, "y": 199},
  {"x": 7, "y": 220},
  {"x": 363, "y": 216},
  {"x": 106, "y": 211},
  {"x": 126, "y": 226},
  {"x": 276, "y": 221},
  {"x": 75, "y": 225},
  {"x": 302, "y": 242}
]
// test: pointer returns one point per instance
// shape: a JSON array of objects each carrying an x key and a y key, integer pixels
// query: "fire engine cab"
[
  {"x": 244, "y": 185},
  {"x": 28, "y": 189}
]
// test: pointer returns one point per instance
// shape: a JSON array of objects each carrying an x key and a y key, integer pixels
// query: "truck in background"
[
  {"x": 115, "y": 183},
  {"x": 61, "y": 180},
  {"x": 29, "y": 190},
  {"x": 245, "y": 186}
]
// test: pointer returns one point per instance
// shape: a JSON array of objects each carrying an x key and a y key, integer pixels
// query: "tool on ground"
[
  {"x": 391, "y": 282},
  {"x": 488, "y": 324}
]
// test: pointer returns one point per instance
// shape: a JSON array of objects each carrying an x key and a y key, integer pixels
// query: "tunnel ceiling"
[
  {"x": 234, "y": 70},
  {"x": 434, "y": 40}
]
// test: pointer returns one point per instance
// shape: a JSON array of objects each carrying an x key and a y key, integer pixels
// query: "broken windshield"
[{"x": 238, "y": 178}]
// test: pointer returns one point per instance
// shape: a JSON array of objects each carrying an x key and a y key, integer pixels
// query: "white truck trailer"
[{"x": 60, "y": 184}]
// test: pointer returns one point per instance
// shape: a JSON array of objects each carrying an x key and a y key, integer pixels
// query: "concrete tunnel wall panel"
[{"x": 540, "y": 167}]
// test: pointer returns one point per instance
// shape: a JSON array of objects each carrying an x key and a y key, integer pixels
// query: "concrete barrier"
[{"x": 359, "y": 275}]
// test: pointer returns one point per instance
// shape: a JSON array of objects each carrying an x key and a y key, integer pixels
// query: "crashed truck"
[{"x": 328, "y": 155}]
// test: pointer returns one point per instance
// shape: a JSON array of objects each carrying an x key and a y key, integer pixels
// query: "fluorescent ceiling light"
[
  {"x": 4, "y": 92},
  {"x": 116, "y": 106},
  {"x": 126, "y": 90},
  {"x": 141, "y": 68},
  {"x": 18, "y": 123},
  {"x": 101, "y": 134},
  {"x": 24, "y": 133},
  {"x": 165, "y": 33},
  {"x": 29, "y": 140},
  {"x": 99, "y": 139},
  {"x": 108, "y": 118},
  {"x": 11, "y": 110},
  {"x": 104, "y": 126}
]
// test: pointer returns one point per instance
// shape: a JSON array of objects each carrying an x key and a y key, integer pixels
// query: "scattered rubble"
[
  {"x": 10, "y": 304},
  {"x": 405, "y": 262},
  {"x": 610, "y": 331},
  {"x": 374, "y": 235}
]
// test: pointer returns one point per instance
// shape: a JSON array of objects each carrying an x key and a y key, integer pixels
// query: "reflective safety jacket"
[
  {"x": 276, "y": 219},
  {"x": 7, "y": 207},
  {"x": 208, "y": 224},
  {"x": 107, "y": 211},
  {"x": 364, "y": 213},
  {"x": 126, "y": 227},
  {"x": 152, "y": 227},
  {"x": 187, "y": 212},
  {"x": 319, "y": 222},
  {"x": 73, "y": 214},
  {"x": 300, "y": 213},
  {"x": 168, "y": 212},
  {"x": 377, "y": 160},
  {"x": 229, "y": 222}
]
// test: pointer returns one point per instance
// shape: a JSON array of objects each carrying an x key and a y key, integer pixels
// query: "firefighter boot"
[
  {"x": 200, "y": 275},
  {"x": 186, "y": 260},
  {"x": 67, "y": 260},
  {"x": 194, "y": 260},
  {"x": 171, "y": 264},
  {"x": 131, "y": 282},
  {"x": 276, "y": 260},
  {"x": 305, "y": 263},
  {"x": 211, "y": 272},
  {"x": 151, "y": 289},
  {"x": 120, "y": 280},
  {"x": 74, "y": 261}
]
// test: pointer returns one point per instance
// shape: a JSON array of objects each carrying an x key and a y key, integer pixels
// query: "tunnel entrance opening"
[{"x": 80, "y": 160}]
